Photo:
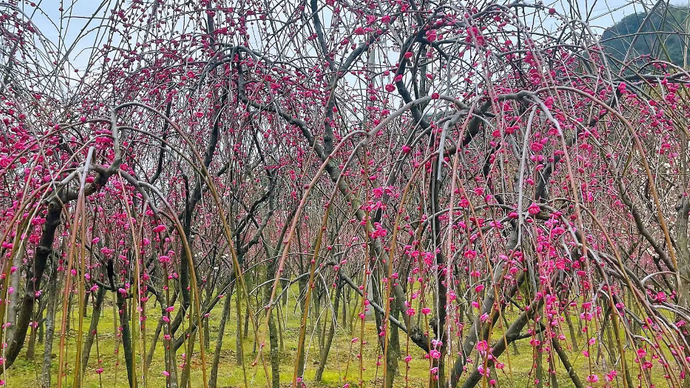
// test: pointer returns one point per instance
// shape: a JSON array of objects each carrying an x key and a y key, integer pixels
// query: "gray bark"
[{"x": 53, "y": 295}]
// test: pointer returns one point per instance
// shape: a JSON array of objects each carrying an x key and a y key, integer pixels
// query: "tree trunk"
[
  {"x": 93, "y": 327},
  {"x": 126, "y": 339},
  {"x": 33, "y": 281},
  {"x": 219, "y": 341},
  {"x": 391, "y": 357},
  {"x": 552, "y": 372},
  {"x": 14, "y": 297},
  {"x": 539, "y": 363},
  {"x": 238, "y": 334},
  {"x": 246, "y": 321},
  {"x": 344, "y": 309},
  {"x": 303, "y": 284},
  {"x": 187, "y": 370},
  {"x": 281, "y": 322},
  {"x": 171, "y": 362},
  {"x": 205, "y": 322},
  {"x": 329, "y": 337},
  {"x": 152, "y": 347},
  {"x": 53, "y": 295},
  {"x": 571, "y": 329},
  {"x": 272, "y": 330},
  {"x": 31, "y": 347},
  {"x": 275, "y": 353},
  {"x": 566, "y": 363},
  {"x": 393, "y": 348},
  {"x": 41, "y": 328}
]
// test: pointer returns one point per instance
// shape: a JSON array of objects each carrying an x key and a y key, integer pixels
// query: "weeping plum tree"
[{"x": 474, "y": 175}]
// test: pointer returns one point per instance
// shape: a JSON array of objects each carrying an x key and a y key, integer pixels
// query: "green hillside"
[{"x": 659, "y": 36}]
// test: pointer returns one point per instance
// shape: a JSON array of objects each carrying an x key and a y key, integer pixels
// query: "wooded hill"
[{"x": 658, "y": 32}]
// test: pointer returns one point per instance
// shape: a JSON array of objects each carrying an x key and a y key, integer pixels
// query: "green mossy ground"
[{"x": 342, "y": 359}]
